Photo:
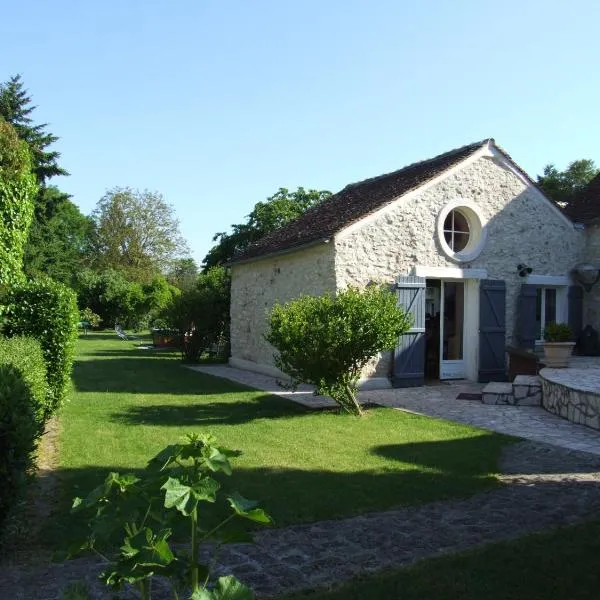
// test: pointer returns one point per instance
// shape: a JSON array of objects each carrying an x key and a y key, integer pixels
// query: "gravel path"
[{"x": 545, "y": 486}]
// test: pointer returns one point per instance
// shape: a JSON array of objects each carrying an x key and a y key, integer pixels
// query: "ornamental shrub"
[
  {"x": 89, "y": 316},
  {"x": 23, "y": 396},
  {"x": 327, "y": 340},
  {"x": 558, "y": 332},
  {"x": 203, "y": 312},
  {"x": 46, "y": 310},
  {"x": 17, "y": 190}
]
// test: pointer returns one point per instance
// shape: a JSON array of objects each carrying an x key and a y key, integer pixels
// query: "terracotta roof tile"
[{"x": 355, "y": 202}]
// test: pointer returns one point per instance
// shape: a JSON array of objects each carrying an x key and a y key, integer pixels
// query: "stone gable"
[{"x": 522, "y": 228}]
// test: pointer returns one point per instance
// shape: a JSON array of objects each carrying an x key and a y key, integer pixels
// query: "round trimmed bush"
[{"x": 328, "y": 340}]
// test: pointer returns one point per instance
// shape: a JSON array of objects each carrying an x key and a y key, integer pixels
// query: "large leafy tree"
[
  {"x": 183, "y": 273},
  {"x": 281, "y": 208},
  {"x": 59, "y": 246},
  {"x": 136, "y": 233},
  {"x": 563, "y": 186}
]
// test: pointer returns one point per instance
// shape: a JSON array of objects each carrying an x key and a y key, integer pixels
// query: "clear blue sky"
[{"x": 218, "y": 103}]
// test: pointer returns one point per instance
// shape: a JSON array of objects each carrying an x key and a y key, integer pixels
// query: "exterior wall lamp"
[
  {"x": 587, "y": 275},
  {"x": 524, "y": 270}
]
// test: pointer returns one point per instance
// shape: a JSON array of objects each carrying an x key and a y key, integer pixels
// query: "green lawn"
[
  {"x": 561, "y": 565},
  {"x": 303, "y": 466}
]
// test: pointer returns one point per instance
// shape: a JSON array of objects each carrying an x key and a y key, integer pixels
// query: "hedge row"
[
  {"x": 23, "y": 406},
  {"x": 47, "y": 311}
]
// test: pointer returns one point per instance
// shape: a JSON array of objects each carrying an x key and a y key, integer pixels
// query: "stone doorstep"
[
  {"x": 525, "y": 390},
  {"x": 498, "y": 392}
]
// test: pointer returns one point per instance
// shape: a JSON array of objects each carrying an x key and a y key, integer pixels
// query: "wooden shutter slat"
[
  {"x": 409, "y": 355},
  {"x": 492, "y": 330},
  {"x": 525, "y": 333}
]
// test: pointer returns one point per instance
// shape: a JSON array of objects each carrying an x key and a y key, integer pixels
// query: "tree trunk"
[{"x": 354, "y": 406}]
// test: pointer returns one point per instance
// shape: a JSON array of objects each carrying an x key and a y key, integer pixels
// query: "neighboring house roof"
[
  {"x": 358, "y": 200},
  {"x": 586, "y": 206}
]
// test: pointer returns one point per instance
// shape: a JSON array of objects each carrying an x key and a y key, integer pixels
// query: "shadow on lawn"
[
  {"x": 204, "y": 413},
  {"x": 147, "y": 373},
  {"x": 138, "y": 352},
  {"x": 294, "y": 496},
  {"x": 458, "y": 455}
]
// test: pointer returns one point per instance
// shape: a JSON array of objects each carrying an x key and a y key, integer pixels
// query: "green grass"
[
  {"x": 303, "y": 466},
  {"x": 561, "y": 565}
]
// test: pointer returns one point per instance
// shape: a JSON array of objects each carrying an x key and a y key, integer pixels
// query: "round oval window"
[
  {"x": 456, "y": 230},
  {"x": 461, "y": 231}
]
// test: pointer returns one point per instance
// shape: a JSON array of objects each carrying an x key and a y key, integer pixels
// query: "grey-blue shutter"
[
  {"x": 525, "y": 332},
  {"x": 576, "y": 309},
  {"x": 409, "y": 355},
  {"x": 492, "y": 330}
]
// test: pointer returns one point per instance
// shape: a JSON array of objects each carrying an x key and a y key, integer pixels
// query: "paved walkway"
[
  {"x": 303, "y": 395},
  {"x": 546, "y": 486},
  {"x": 529, "y": 422}
]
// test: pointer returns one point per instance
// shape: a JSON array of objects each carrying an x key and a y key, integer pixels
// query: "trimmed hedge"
[
  {"x": 23, "y": 396},
  {"x": 47, "y": 311},
  {"x": 17, "y": 190}
]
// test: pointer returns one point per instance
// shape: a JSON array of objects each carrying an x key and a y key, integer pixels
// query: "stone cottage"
[{"x": 476, "y": 252}]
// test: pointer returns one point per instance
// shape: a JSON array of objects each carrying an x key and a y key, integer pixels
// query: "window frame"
[
  {"x": 476, "y": 224},
  {"x": 562, "y": 314}
]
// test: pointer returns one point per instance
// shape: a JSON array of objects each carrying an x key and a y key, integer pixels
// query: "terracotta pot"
[{"x": 558, "y": 354}]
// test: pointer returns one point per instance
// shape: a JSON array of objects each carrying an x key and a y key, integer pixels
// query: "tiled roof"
[
  {"x": 355, "y": 202},
  {"x": 586, "y": 206}
]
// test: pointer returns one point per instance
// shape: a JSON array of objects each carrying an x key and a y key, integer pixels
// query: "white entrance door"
[{"x": 452, "y": 330}]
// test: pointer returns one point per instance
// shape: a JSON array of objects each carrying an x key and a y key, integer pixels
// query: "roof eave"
[{"x": 290, "y": 250}]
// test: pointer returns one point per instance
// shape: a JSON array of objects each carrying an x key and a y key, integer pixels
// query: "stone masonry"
[
  {"x": 258, "y": 285},
  {"x": 573, "y": 394}
]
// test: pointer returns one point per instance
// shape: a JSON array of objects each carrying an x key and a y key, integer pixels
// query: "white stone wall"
[
  {"x": 591, "y": 300},
  {"x": 522, "y": 228},
  {"x": 257, "y": 285}
]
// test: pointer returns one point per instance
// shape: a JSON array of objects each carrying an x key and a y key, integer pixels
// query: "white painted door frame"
[
  {"x": 470, "y": 278},
  {"x": 452, "y": 369}
]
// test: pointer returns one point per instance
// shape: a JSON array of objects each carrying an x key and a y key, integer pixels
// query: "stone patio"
[{"x": 439, "y": 400}]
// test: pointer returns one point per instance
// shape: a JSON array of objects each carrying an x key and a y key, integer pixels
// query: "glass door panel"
[
  {"x": 454, "y": 303},
  {"x": 452, "y": 364}
]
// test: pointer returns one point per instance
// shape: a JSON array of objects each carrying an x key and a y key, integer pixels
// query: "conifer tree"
[{"x": 16, "y": 108}]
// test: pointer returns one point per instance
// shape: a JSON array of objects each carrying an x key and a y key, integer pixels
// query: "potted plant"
[{"x": 558, "y": 345}]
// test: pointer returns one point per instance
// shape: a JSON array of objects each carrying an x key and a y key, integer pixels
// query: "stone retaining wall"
[{"x": 572, "y": 395}]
